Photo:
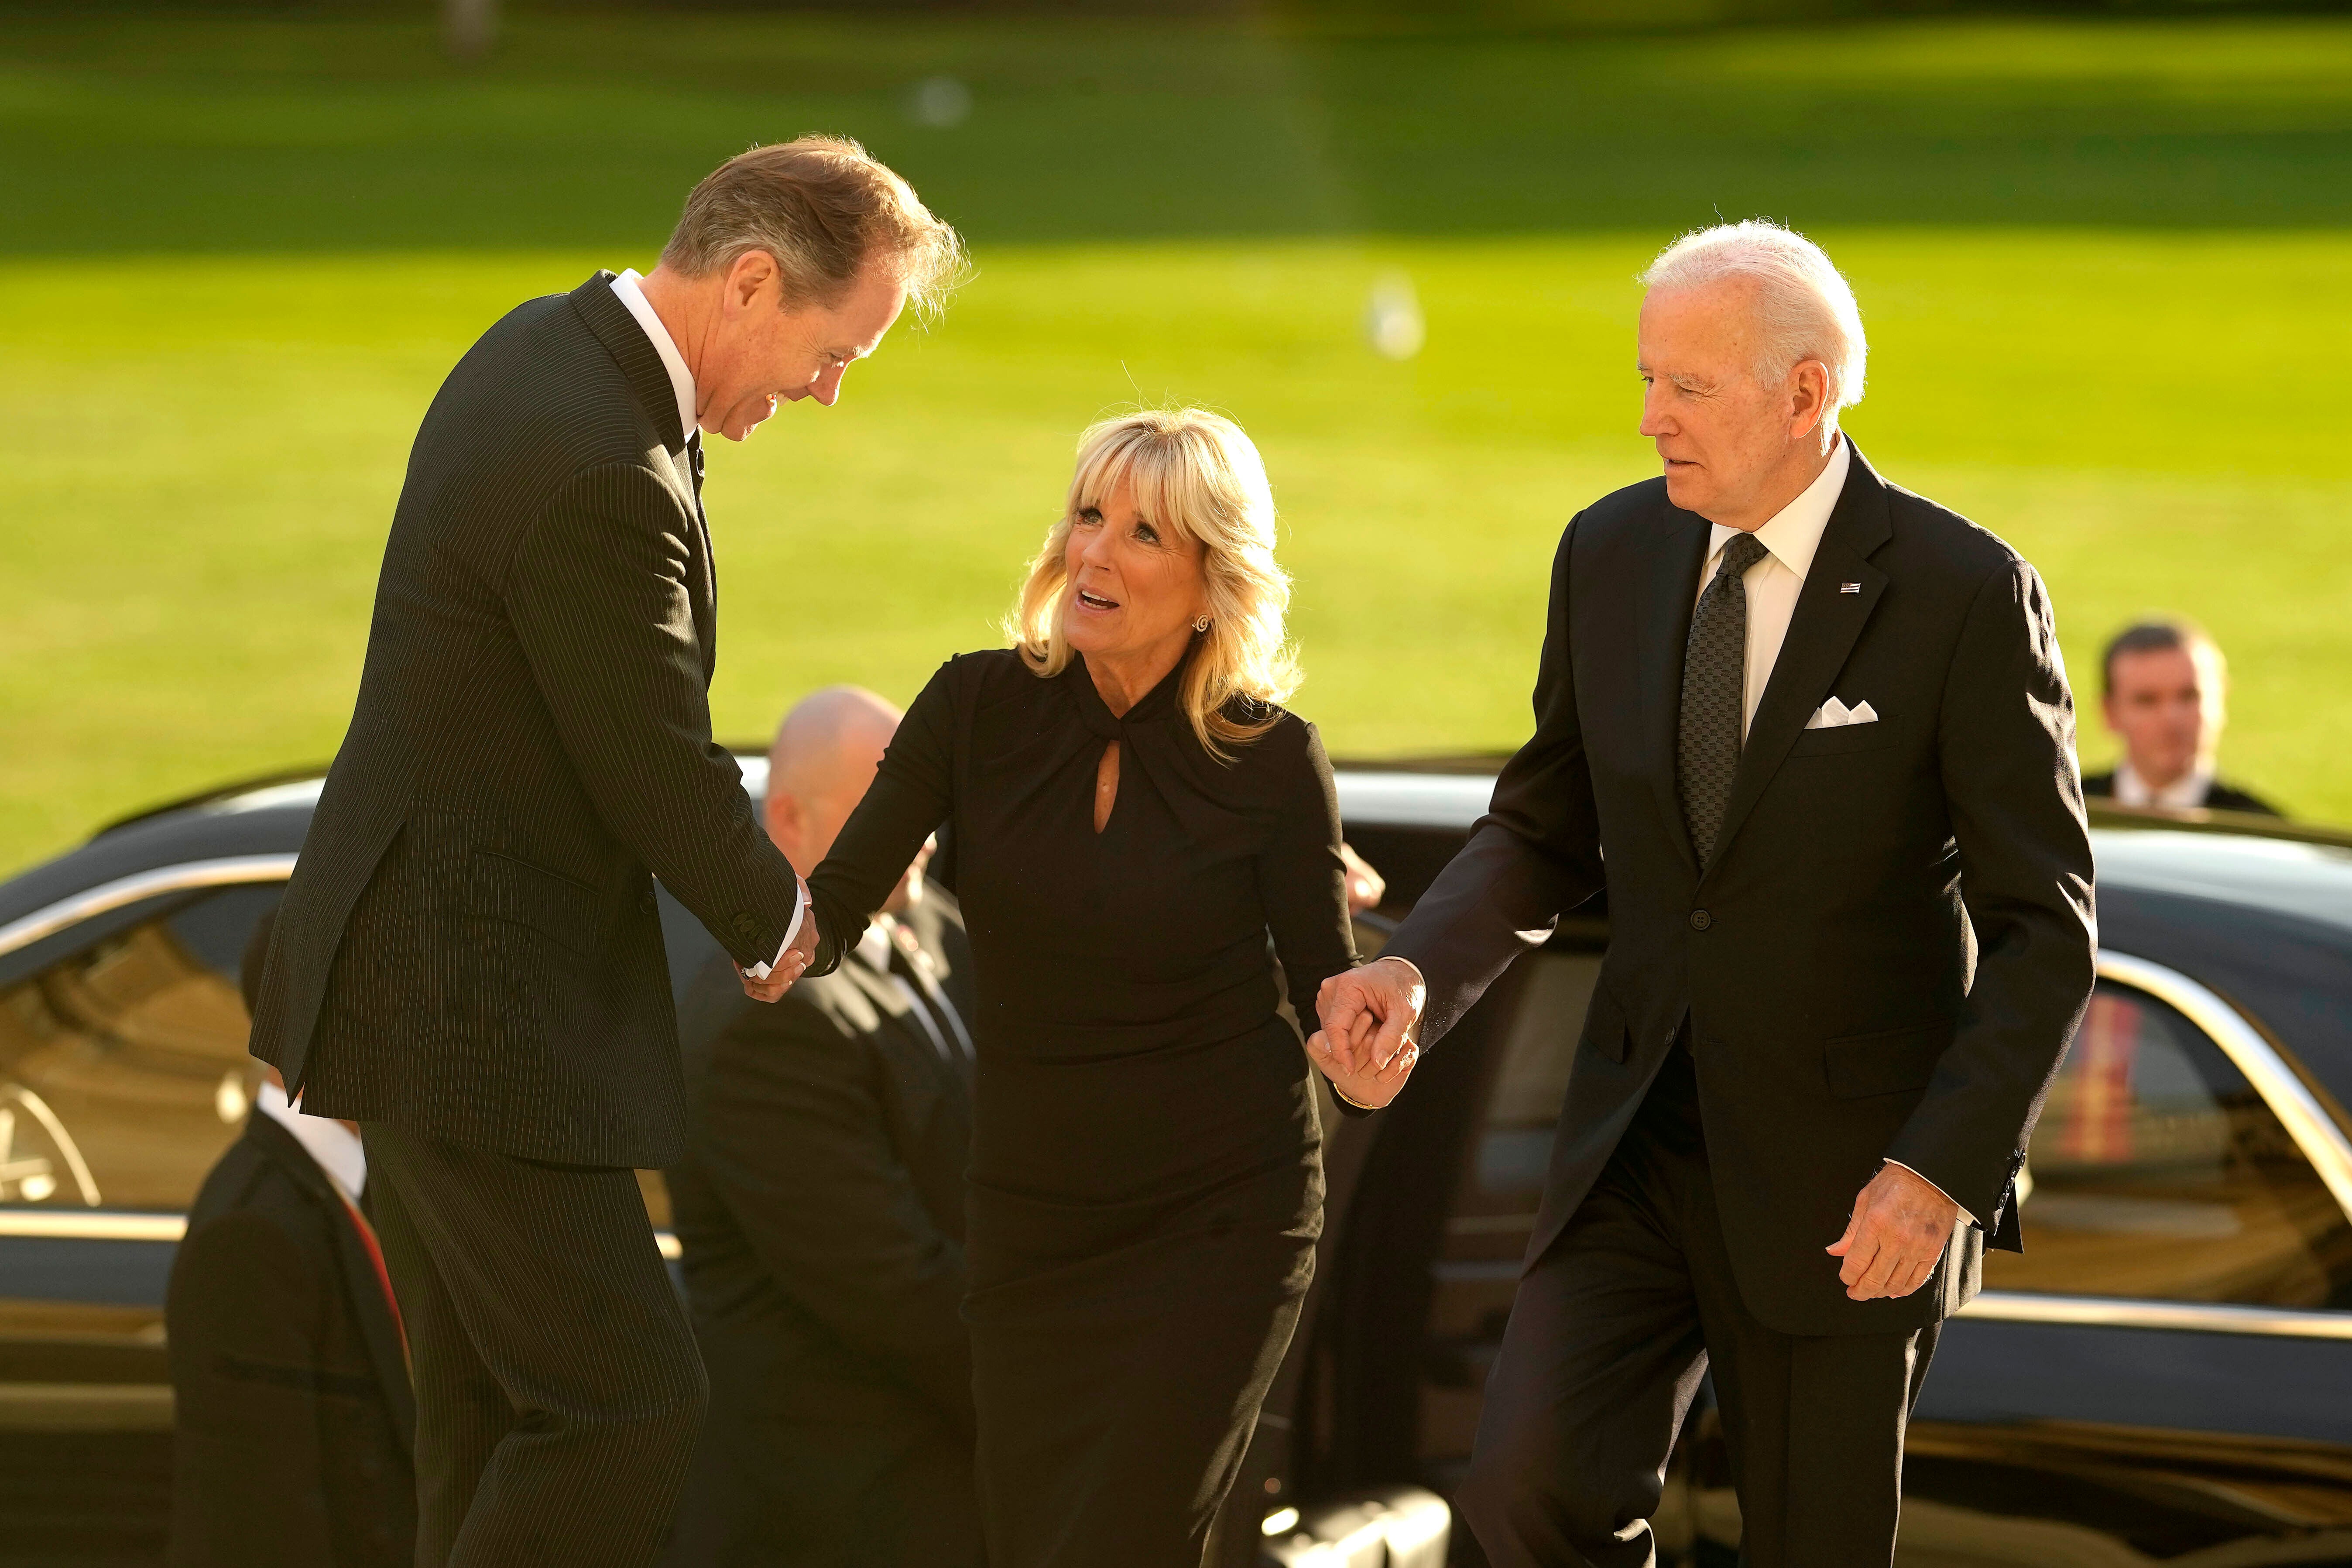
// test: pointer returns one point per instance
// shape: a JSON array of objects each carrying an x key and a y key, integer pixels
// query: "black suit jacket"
[
  {"x": 820, "y": 1204},
  {"x": 295, "y": 1419},
  {"x": 2220, "y": 797},
  {"x": 1895, "y": 943},
  {"x": 470, "y": 948}
]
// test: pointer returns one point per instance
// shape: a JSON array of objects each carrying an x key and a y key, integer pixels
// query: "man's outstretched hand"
[
  {"x": 1900, "y": 1227},
  {"x": 794, "y": 962}
]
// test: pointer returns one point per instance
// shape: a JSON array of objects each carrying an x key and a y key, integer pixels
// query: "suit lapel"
[
  {"x": 705, "y": 604},
  {"x": 635, "y": 353},
  {"x": 649, "y": 384},
  {"x": 383, "y": 1334},
  {"x": 1822, "y": 634},
  {"x": 897, "y": 1014},
  {"x": 361, "y": 1287},
  {"x": 1668, "y": 592}
]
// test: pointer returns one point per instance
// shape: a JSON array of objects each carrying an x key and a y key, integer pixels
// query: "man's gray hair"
[
  {"x": 1804, "y": 304},
  {"x": 824, "y": 207}
]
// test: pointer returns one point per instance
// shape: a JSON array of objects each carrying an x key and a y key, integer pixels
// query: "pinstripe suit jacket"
[{"x": 469, "y": 949}]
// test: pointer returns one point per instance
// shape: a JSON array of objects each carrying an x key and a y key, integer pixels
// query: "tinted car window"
[
  {"x": 124, "y": 1071},
  {"x": 2157, "y": 1172}
]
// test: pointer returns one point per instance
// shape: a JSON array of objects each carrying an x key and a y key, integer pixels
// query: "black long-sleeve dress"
[{"x": 1146, "y": 1183}]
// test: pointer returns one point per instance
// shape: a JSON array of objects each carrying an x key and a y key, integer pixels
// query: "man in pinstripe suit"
[{"x": 468, "y": 962}]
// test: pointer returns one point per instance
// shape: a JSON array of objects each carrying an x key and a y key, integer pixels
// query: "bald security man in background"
[{"x": 820, "y": 1209}]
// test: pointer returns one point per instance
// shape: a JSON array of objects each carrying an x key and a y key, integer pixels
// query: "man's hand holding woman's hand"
[
  {"x": 1370, "y": 1016},
  {"x": 793, "y": 963}
]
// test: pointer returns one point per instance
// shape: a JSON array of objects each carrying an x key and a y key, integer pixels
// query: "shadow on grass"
[{"x": 159, "y": 133}]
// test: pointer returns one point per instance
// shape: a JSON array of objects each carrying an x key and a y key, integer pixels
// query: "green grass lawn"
[{"x": 2103, "y": 270}]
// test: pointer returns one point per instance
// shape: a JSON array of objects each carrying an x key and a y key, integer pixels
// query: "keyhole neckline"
[{"x": 1105, "y": 803}]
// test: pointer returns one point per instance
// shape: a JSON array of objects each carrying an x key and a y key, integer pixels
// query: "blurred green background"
[{"x": 2103, "y": 262}]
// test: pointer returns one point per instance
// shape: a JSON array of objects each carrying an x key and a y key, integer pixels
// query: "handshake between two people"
[
  {"x": 791, "y": 963},
  {"x": 1370, "y": 1038}
]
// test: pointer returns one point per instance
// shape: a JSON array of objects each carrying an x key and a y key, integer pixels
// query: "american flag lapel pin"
[{"x": 1849, "y": 587}]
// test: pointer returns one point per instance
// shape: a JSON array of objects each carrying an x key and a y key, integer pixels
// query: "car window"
[
  {"x": 2157, "y": 1172},
  {"x": 123, "y": 1072}
]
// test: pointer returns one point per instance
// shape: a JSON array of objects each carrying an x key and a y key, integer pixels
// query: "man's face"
[
  {"x": 1721, "y": 434},
  {"x": 769, "y": 352},
  {"x": 2165, "y": 705}
]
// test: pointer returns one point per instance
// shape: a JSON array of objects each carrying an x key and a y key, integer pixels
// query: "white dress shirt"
[
  {"x": 1773, "y": 583},
  {"x": 2185, "y": 793},
  {"x": 874, "y": 949},
  {"x": 335, "y": 1147},
  {"x": 681, "y": 380},
  {"x": 681, "y": 384}
]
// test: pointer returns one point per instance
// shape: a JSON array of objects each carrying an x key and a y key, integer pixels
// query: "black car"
[{"x": 2164, "y": 1376}]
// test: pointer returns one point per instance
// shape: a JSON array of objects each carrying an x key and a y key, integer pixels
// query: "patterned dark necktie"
[{"x": 1715, "y": 667}]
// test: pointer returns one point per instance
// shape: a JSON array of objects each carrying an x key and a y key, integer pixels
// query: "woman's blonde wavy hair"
[{"x": 1195, "y": 472}]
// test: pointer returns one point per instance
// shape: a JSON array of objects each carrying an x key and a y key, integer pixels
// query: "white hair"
[{"x": 1802, "y": 303}]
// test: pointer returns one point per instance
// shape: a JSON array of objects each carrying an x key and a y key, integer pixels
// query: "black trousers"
[
  {"x": 1609, "y": 1338},
  {"x": 559, "y": 1391},
  {"x": 775, "y": 1491}
]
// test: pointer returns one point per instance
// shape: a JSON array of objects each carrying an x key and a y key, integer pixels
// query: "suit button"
[
  {"x": 1701, "y": 919},
  {"x": 647, "y": 902}
]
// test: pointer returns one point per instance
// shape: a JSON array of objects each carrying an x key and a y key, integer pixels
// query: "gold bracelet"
[{"x": 1341, "y": 1095}]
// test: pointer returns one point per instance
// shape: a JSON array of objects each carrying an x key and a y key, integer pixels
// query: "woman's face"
[{"x": 1136, "y": 588}]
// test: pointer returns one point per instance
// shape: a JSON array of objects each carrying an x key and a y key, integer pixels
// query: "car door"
[
  {"x": 2164, "y": 1374},
  {"x": 124, "y": 1076}
]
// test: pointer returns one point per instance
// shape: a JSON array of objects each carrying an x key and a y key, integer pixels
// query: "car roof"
[
  {"x": 2310, "y": 880},
  {"x": 2278, "y": 867}
]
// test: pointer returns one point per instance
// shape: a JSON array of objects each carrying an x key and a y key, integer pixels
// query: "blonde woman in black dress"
[{"x": 1131, "y": 816}]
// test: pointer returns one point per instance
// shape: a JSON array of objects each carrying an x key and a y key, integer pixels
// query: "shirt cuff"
[
  {"x": 800, "y": 912},
  {"x": 1948, "y": 1197}
]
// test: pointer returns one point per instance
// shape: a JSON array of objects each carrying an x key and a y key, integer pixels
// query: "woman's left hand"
[{"x": 1356, "y": 1078}]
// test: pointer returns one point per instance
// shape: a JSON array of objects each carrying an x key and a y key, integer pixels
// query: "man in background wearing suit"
[
  {"x": 469, "y": 961},
  {"x": 2165, "y": 689},
  {"x": 1812, "y": 734},
  {"x": 293, "y": 1415},
  {"x": 821, "y": 1208}
]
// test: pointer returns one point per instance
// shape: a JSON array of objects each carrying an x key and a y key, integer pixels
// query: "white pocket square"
[{"x": 1835, "y": 715}]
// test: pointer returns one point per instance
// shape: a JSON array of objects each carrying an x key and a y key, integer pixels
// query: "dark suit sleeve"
[
  {"x": 2007, "y": 746},
  {"x": 908, "y": 801},
  {"x": 796, "y": 1138},
  {"x": 241, "y": 1318},
  {"x": 1303, "y": 884},
  {"x": 1533, "y": 857},
  {"x": 597, "y": 596}
]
